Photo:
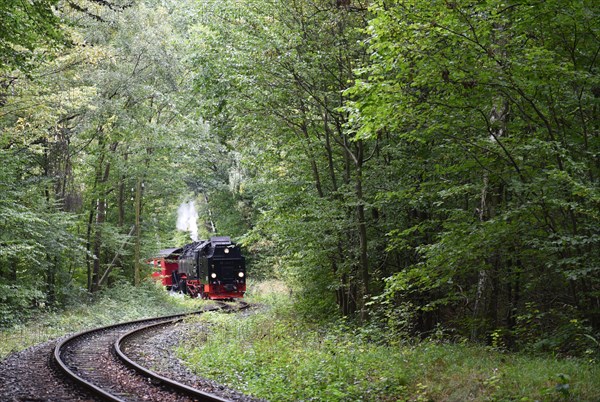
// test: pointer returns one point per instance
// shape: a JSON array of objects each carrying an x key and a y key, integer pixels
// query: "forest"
[{"x": 416, "y": 166}]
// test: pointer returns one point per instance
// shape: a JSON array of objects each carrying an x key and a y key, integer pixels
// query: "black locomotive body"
[{"x": 211, "y": 269}]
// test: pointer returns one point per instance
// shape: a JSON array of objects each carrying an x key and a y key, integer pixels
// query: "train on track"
[{"x": 211, "y": 269}]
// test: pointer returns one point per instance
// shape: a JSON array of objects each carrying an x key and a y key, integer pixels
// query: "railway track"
[{"x": 95, "y": 360}]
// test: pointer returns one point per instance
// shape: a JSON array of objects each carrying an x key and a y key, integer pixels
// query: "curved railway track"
[{"x": 95, "y": 360}]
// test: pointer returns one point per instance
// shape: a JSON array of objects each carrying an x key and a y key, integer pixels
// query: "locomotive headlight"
[
  {"x": 241, "y": 274},
  {"x": 226, "y": 251},
  {"x": 213, "y": 275}
]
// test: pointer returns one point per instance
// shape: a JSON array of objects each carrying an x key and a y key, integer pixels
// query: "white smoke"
[{"x": 187, "y": 218}]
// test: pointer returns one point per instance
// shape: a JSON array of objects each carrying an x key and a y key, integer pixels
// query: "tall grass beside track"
[
  {"x": 123, "y": 302},
  {"x": 274, "y": 355}
]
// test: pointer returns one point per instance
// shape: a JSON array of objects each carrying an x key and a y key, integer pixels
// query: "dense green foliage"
[
  {"x": 27, "y": 29},
  {"x": 426, "y": 163},
  {"x": 100, "y": 142},
  {"x": 273, "y": 355},
  {"x": 498, "y": 107},
  {"x": 414, "y": 164}
]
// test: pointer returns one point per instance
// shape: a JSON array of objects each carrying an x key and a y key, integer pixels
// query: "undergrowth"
[
  {"x": 122, "y": 302},
  {"x": 273, "y": 354}
]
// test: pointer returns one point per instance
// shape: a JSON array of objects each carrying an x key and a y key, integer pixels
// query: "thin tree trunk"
[
  {"x": 100, "y": 217},
  {"x": 362, "y": 228},
  {"x": 138, "y": 232},
  {"x": 88, "y": 246},
  {"x": 487, "y": 211},
  {"x": 51, "y": 280},
  {"x": 211, "y": 223}
]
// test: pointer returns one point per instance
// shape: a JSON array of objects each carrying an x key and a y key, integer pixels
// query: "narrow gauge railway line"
[
  {"x": 88, "y": 358},
  {"x": 131, "y": 349}
]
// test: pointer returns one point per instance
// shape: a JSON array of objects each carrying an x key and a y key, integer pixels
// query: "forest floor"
[
  {"x": 276, "y": 355},
  {"x": 273, "y": 354}
]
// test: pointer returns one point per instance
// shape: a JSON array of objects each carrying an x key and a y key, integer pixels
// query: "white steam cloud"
[{"x": 187, "y": 218}]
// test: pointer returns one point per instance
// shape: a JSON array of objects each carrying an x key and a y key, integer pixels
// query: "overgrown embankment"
[
  {"x": 121, "y": 303},
  {"x": 274, "y": 354}
]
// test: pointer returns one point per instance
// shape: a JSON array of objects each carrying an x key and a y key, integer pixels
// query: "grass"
[
  {"x": 120, "y": 303},
  {"x": 273, "y": 355}
]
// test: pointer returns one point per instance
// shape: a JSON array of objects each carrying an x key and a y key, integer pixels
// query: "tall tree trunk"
[
  {"x": 362, "y": 232},
  {"x": 487, "y": 210},
  {"x": 100, "y": 219},
  {"x": 343, "y": 291},
  {"x": 100, "y": 215},
  {"x": 88, "y": 246},
  {"x": 121, "y": 196},
  {"x": 361, "y": 226},
  {"x": 210, "y": 225},
  {"x": 138, "y": 232}
]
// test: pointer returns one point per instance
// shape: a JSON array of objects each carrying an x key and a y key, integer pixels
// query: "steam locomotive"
[{"x": 210, "y": 269}]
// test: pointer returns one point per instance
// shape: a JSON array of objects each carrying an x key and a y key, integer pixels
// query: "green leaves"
[
  {"x": 82, "y": 128},
  {"x": 446, "y": 151},
  {"x": 24, "y": 27},
  {"x": 488, "y": 109}
]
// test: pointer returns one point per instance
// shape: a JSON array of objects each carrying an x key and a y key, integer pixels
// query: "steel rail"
[
  {"x": 97, "y": 391},
  {"x": 201, "y": 395}
]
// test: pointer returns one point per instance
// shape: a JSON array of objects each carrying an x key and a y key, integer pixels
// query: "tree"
[
  {"x": 278, "y": 83},
  {"x": 500, "y": 100},
  {"x": 110, "y": 113}
]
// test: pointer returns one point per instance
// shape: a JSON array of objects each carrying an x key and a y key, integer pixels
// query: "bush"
[
  {"x": 556, "y": 331},
  {"x": 18, "y": 303}
]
